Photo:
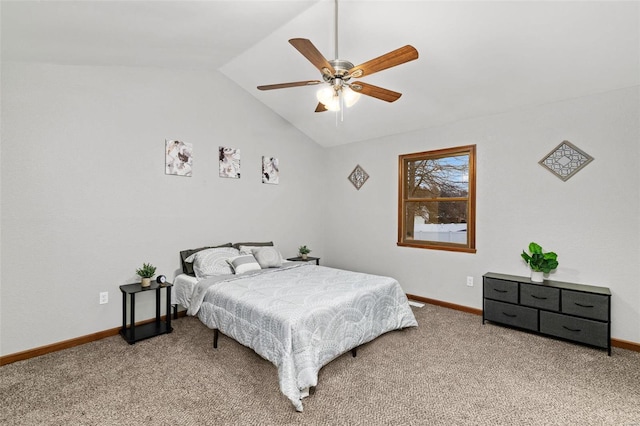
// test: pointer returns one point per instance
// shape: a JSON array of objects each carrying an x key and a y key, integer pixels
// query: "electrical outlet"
[
  {"x": 470, "y": 281},
  {"x": 104, "y": 297}
]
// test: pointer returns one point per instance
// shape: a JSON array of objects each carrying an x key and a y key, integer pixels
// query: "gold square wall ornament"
[
  {"x": 358, "y": 177},
  {"x": 565, "y": 160}
]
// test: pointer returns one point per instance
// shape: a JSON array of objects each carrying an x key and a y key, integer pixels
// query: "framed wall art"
[
  {"x": 358, "y": 177},
  {"x": 229, "y": 162},
  {"x": 178, "y": 158},
  {"x": 565, "y": 160},
  {"x": 270, "y": 170}
]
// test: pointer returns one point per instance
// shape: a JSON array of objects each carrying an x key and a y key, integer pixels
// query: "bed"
[{"x": 297, "y": 315}]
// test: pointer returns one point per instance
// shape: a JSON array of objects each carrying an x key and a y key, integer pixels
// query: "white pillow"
[
  {"x": 210, "y": 262},
  {"x": 249, "y": 250},
  {"x": 243, "y": 263},
  {"x": 267, "y": 257}
]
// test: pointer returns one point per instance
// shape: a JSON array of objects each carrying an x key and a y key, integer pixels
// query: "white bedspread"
[
  {"x": 301, "y": 317},
  {"x": 183, "y": 286}
]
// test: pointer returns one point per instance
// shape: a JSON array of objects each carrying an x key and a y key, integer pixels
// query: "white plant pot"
[
  {"x": 304, "y": 256},
  {"x": 146, "y": 282},
  {"x": 537, "y": 276}
]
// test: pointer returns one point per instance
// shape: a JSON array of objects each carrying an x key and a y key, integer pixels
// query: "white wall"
[
  {"x": 592, "y": 220},
  {"x": 85, "y": 200}
]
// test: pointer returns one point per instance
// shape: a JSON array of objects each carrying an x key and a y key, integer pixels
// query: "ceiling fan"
[{"x": 337, "y": 73}]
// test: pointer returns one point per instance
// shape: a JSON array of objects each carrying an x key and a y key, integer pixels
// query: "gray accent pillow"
[
  {"x": 267, "y": 257},
  {"x": 243, "y": 263}
]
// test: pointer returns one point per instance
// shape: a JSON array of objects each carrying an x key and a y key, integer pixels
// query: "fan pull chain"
[{"x": 340, "y": 111}]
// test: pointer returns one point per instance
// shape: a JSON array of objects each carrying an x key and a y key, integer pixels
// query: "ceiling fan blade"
[
  {"x": 314, "y": 56},
  {"x": 375, "y": 91},
  {"x": 292, "y": 84},
  {"x": 388, "y": 60},
  {"x": 321, "y": 107}
]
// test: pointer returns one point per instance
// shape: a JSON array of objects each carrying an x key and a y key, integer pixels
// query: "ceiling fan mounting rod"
[{"x": 336, "y": 29}]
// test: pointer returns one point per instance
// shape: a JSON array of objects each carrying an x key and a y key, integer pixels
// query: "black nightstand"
[
  {"x": 308, "y": 259},
  {"x": 134, "y": 334}
]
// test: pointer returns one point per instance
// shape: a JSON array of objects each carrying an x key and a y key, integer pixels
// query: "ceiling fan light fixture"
[
  {"x": 328, "y": 96},
  {"x": 332, "y": 97},
  {"x": 350, "y": 97}
]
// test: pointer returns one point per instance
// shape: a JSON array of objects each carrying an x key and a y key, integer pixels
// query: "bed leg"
[
  {"x": 215, "y": 338},
  {"x": 354, "y": 352}
]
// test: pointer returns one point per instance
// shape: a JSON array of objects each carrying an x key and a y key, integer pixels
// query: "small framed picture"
[
  {"x": 270, "y": 170},
  {"x": 229, "y": 162},
  {"x": 358, "y": 177},
  {"x": 178, "y": 158}
]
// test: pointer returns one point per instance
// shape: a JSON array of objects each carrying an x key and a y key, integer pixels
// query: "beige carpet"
[{"x": 451, "y": 370}]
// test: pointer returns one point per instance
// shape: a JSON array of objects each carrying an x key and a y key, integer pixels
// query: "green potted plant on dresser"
[
  {"x": 146, "y": 273},
  {"x": 540, "y": 262}
]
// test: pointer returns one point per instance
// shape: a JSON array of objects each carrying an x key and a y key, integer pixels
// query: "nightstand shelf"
[
  {"x": 308, "y": 259},
  {"x": 144, "y": 331},
  {"x": 134, "y": 333}
]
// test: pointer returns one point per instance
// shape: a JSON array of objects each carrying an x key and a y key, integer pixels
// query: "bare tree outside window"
[{"x": 436, "y": 200}]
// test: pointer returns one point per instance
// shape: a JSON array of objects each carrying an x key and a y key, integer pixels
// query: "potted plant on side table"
[
  {"x": 540, "y": 262},
  {"x": 304, "y": 251},
  {"x": 146, "y": 273}
]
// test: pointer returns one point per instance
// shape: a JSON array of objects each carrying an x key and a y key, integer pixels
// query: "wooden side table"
[
  {"x": 134, "y": 334},
  {"x": 308, "y": 259}
]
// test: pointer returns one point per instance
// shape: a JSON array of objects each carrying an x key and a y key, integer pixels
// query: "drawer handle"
[
  {"x": 509, "y": 315},
  {"x": 538, "y": 297},
  {"x": 583, "y": 306},
  {"x": 571, "y": 329},
  {"x": 500, "y": 291}
]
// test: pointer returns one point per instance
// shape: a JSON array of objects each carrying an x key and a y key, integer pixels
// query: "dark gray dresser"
[{"x": 576, "y": 312}]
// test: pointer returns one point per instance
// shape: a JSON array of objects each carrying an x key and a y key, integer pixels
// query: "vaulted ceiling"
[{"x": 477, "y": 58}]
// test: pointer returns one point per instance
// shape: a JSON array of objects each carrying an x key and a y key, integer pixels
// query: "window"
[{"x": 437, "y": 200}]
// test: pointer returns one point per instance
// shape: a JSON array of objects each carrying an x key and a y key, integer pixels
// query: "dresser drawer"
[
  {"x": 517, "y": 316},
  {"x": 577, "y": 329},
  {"x": 539, "y": 296},
  {"x": 506, "y": 291},
  {"x": 586, "y": 305}
]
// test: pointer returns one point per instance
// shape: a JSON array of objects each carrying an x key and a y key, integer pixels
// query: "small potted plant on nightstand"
[
  {"x": 304, "y": 251},
  {"x": 146, "y": 273},
  {"x": 539, "y": 262}
]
